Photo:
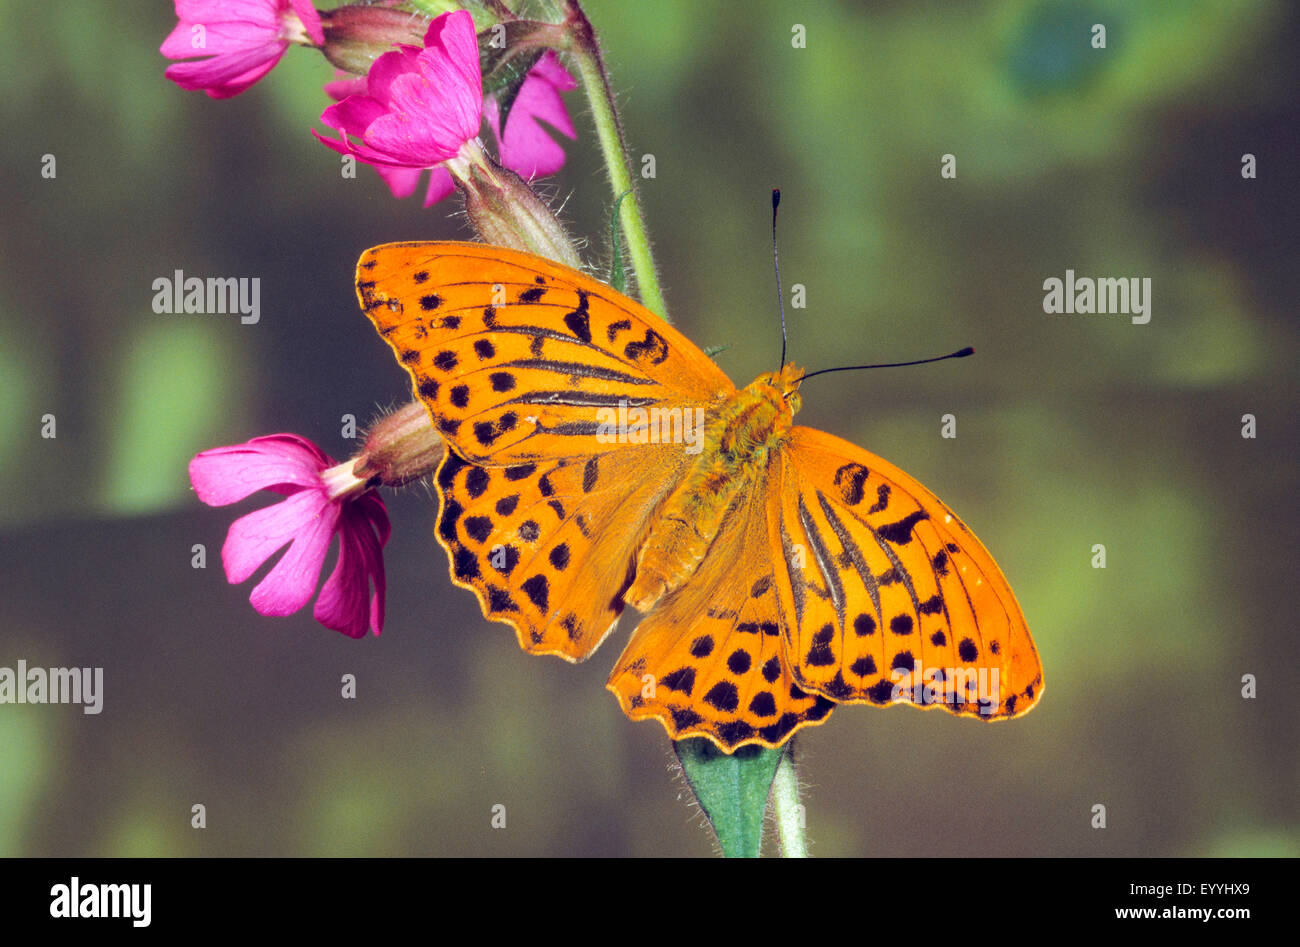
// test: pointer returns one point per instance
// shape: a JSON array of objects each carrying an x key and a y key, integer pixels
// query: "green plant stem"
[
  {"x": 786, "y": 811},
  {"x": 609, "y": 131}
]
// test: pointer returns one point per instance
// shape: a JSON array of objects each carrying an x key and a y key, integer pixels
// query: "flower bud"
[
  {"x": 399, "y": 448},
  {"x": 355, "y": 36},
  {"x": 505, "y": 211}
]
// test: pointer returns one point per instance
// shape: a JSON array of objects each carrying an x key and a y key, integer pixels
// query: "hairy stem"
[
  {"x": 786, "y": 810},
  {"x": 609, "y": 131}
]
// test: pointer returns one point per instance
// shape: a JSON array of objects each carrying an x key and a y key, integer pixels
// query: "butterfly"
[{"x": 597, "y": 459}]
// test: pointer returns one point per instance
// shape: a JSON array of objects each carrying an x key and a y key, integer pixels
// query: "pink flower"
[
  {"x": 321, "y": 499},
  {"x": 419, "y": 109},
  {"x": 526, "y": 146},
  {"x": 401, "y": 181},
  {"x": 242, "y": 40}
]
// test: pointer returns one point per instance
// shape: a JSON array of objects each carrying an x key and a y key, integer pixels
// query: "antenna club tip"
[
  {"x": 776, "y": 197},
  {"x": 968, "y": 350}
]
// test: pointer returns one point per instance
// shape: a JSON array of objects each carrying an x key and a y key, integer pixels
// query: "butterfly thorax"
[{"x": 741, "y": 434}]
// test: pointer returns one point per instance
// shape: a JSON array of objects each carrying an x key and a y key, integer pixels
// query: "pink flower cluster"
[{"x": 417, "y": 110}]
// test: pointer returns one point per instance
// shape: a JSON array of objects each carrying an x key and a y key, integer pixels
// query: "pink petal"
[
  {"x": 306, "y": 518},
  {"x": 452, "y": 36},
  {"x": 227, "y": 26},
  {"x": 353, "y": 115},
  {"x": 340, "y": 88},
  {"x": 526, "y": 146},
  {"x": 226, "y": 75},
  {"x": 345, "y": 603},
  {"x": 310, "y": 20},
  {"x": 366, "y": 154},
  {"x": 225, "y": 475},
  {"x": 440, "y": 186},
  {"x": 401, "y": 181},
  {"x": 391, "y": 66}
]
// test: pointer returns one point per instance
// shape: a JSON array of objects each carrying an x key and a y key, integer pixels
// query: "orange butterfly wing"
[
  {"x": 893, "y": 598},
  {"x": 516, "y": 357}
]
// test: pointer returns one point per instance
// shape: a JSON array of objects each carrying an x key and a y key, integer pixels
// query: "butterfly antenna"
[
  {"x": 776, "y": 265},
  {"x": 962, "y": 353}
]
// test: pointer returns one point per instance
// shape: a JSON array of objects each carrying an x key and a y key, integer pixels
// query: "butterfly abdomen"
[{"x": 740, "y": 435}]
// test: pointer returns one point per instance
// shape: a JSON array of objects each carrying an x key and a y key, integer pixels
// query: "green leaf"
[
  {"x": 712, "y": 350},
  {"x": 732, "y": 790},
  {"x": 617, "y": 273}
]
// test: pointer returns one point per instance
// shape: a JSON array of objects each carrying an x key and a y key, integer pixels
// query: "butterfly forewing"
[
  {"x": 891, "y": 597},
  {"x": 520, "y": 359}
]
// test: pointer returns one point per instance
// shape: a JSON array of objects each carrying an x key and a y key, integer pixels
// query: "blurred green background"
[{"x": 1072, "y": 430}]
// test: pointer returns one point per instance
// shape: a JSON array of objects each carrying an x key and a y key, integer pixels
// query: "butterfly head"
[{"x": 782, "y": 388}]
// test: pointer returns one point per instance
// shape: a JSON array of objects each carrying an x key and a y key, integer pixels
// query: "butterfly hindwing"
[
  {"x": 517, "y": 358},
  {"x": 707, "y": 661},
  {"x": 892, "y": 598}
]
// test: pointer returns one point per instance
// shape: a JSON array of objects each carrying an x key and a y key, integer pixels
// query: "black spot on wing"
[
  {"x": 579, "y": 321},
  {"x": 733, "y": 731},
  {"x": 504, "y": 559},
  {"x": 864, "y": 666},
  {"x": 882, "y": 499},
  {"x": 538, "y": 590},
  {"x": 850, "y": 479},
  {"x": 900, "y": 533},
  {"x": 838, "y": 688},
  {"x": 739, "y": 661},
  {"x": 723, "y": 696},
  {"x": 820, "y": 654},
  {"x": 652, "y": 349},
  {"x": 499, "y": 600},
  {"x": 478, "y": 528},
  {"x": 477, "y": 481},
  {"x": 464, "y": 564},
  {"x": 681, "y": 680},
  {"x": 763, "y": 704}
]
